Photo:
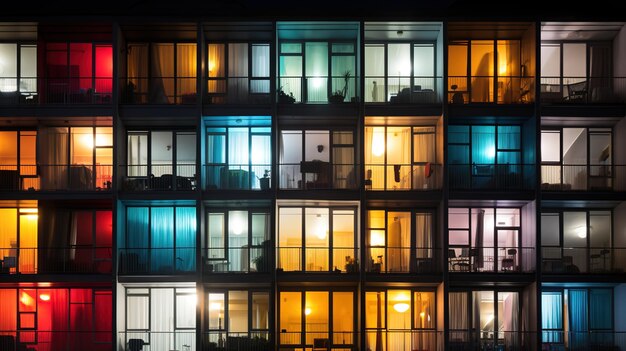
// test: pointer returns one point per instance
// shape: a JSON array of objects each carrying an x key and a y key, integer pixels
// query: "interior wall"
[
  {"x": 440, "y": 64},
  {"x": 619, "y": 61},
  {"x": 120, "y": 313},
  {"x": 529, "y": 54},
  {"x": 619, "y": 234},
  {"x": 619, "y": 150},
  {"x": 529, "y": 235},
  {"x": 619, "y": 308}
]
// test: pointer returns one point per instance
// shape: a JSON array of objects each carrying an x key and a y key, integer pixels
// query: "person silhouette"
[{"x": 374, "y": 92}]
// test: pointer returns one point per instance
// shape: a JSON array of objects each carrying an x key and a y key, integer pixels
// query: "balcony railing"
[
  {"x": 56, "y": 260},
  {"x": 400, "y": 90},
  {"x": 583, "y": 90},
  {"x": 402, "y": 260},
  {"x": 218, "y": 340},
  {"x": 553, "y": 340},
  {"x": 403, "y": 177},
  {"x": 239, "y": 260},
  {"x": 490, "y": 89},
  {"x": 309, "y": 175},
  {"x": 492, "y": 176},
  {"x": 30, "y": 339},
  {"x": 557, "y": 177},
  {"x": 318, "y": 259},
  {"x": 319, "y": 340},
  {"x": 488, "y": 340},
  {"x": 158, "y": 90},
  {"x": 155, "y": 261},
  {"x": 491, "y": 259},
  {"x": 575, "y": 260},
  {"x": 316, "y": 89},
  {"x": 405, "y": 339},
  {"x": 158, "y": 177},
  {"x": 74, "y": 90},
  {"x": 237, "y": 177},
  {"x": 238, "y": 90},
  {"x": 56, "y": 177},
  {"x": 146, "y": 340}
]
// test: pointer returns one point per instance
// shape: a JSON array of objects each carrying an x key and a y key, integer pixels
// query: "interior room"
[
  {"x": 403, "y": 62},
  {"x": 403, "y": 153},
  {"x": 577, "y": 62},
  {"x": 56, "y": 318},
  {"x": 18, "y": 160},
  {"x": 317, "y": 159},
  {"x": 238, "y": 152},
  {"x": 157, "y": 238},
  {"x": 491, "y": 62},
  {"x": 305, "y": 317},
  {"x": 158, "y": 316},
  {"x": 160, "y": 63},
  {"x": 318, "y": 239},
  {"x": 238, "y": 62},
  {"x": 19, "y": 237},
  {"x": 318, "y": 60},
  {"x": 18, "y": 86}
]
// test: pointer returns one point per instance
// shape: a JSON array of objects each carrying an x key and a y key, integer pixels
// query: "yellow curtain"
[
  {"x": 28, "y": 241},
  {"x": 138, "y": 68},
  {"x": 186, "y": 58},
  {"x": 216, "y": 69}
]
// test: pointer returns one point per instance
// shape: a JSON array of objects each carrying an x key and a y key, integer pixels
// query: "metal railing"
[
  {"x": 237, "y": 176},
  {"x": 56, "y": 177},
  {"x": 238, "y": 90},
  {"x": 490, "y": 89},
  {"x": 574, "y": 260},
  {"x": 403, "y": 89},
  {"x": 218, "y": 340},
  {"x": 392, "y": 259},
  {"x": 558, "y": 340},
  {"x": 492, "y": 176},
  {"x": 491, "y": 259},
  {"x": 310, "y": 175},
  {"x": 57, "y": 340},
  {"x": 490, "y": 340},
  {"x": 158, "y": 177},
  {"x": 39, "y": 90},
  {"x": 404, "y": 339},
  {"x": 317, "y": 259},
  {"x": 158, "y": 90},
  {"x": 56, "y": 260},
  {"x": 403, "y": 177},
  {"x": 319, "y": 340},
  {"x": 583, "y": 90},
  {"x": 239, "y": 260},
  {"x": 146, "y": 340},
  {"x": 595, "y": 177},
  {"x": 148, "y": 261},
  {"x": 316, "y": 89}
]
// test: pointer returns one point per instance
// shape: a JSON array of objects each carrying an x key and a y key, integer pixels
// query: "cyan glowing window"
[
  {"x": 161, "y": 239},
  {"x": 484, "y": 145}
]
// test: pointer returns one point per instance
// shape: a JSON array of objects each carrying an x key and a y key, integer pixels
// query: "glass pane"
[
  {"x": 574, "y": 62},
  {"x": 260, "y": 311},
  {"x": 316, "y": 315},
  {"x": 290, "y": 321},
  {"x": 423, "y": 62},
  {"x": 482, "y": 70},
  {"x": 550, "y": 63},
  {"x": 215, "y": 242},
  {"x": 186, "y": 310},
  {"x": 316, "y": 71},
  {"x": 575, "y": 231},
  {"x": 317, "y": 239},
  {"x": 550, "y": 146},
  {"x": 260, "y": 60},
  {"x": 238, "y": 241},
  {"x": 483, "y": 145},
  {"x": 343, "y": 240},
  {"x": 237, "y": 311},
  {"x": 162, "y": 153},
  {"x": 290, "y": 238},
  {"x": 424, "y": 310},
  {"x": 137, "y": 313},
  {"x": 216, "y": 311}
]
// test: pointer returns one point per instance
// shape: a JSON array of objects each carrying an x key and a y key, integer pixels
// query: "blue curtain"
[
  {"x": 162, "y": 240},
  {"x": 600, "y": 313},
  {"x": 552, "y": 317},
  {"x": 216, "y": 154},
  {"x": 578, "y": 316},
  {"x": 509, "y": 139},
  {"x": 483, "y": 144},
  {"x": 137, "y": 235},
  {"x": 185, "y": 238}
]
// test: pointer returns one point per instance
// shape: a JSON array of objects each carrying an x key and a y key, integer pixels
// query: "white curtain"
[
  {"x": 260, "y": 68},
  {"x": 511, "y": 320},
  {"x": 375, "y": 73},
  {"x": 237, "y": 72},
  {"x": 423, "y": 230},
  {"x": 459, "y": 318},
  {"x": 398, "y": 152},
  {"x": 238, "y": 148}
]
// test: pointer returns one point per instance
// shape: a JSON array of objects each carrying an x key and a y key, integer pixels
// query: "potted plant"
[
  {"x": 283, "y": 98},
  {"x": 340, "y": 95},
  {"x": 351, "y": 265},
  {"x": 265, "y": 181}
]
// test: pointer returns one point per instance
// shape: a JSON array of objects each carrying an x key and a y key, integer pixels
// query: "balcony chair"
[
  {"x": 508, "y": 263},
  {"x": 321, "y": 344},
  {"x": 135, "y": 344}
]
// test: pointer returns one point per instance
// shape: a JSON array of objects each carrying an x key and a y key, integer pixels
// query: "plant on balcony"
[
  {"x": 352, "y": 265},
  {"x": 262, "y": 262},
  {"x": 340, "y": 95},
  {"x": 265, "y": 180},
  {"x": 283, "y": 98}
]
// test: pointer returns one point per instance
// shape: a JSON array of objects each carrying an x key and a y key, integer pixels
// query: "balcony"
[
  {"x": 158, "y": 90},
  {"x": 485, "y": 260},
  {"x": 238, "y": 90},
  {"x": 582, "y": 260},
  {"x": 553, "y": 340},
  {"x": 16, "y": 340},
  {"x": 317, "y": 89},
  {"x": 238, "y": 176},
  {"x": 399, "y": 90},
  {"x": 310, "y": 175},
  {"x": 508, "y": 90},
  {"x": 61, "y": 260},
  {"x": 56, "y": 177},
  {"x": 491, "y": 176},
  {"x": 156, "y": 261},
  {"x": 158, "y": 177},
  {"x": 419, "y": 339},
  {"x": 400, "y": 260},
  {"x": 217, "y": 340},
  {"x": 341, "y": 340},
  {"x": 485, "y": 340},
  {"x": 254, "y": 259},
  {"x": 403, "y": 177},
  {"x": 556, "y": 177},
  {"x": 38, "y": 91},
  {"x": 147, "y": 340},
  {"x": 318, "y": 259},
  {"x": 583, "y": 90}
]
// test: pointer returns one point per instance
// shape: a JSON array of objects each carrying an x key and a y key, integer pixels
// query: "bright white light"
[
  {"x": 316, "y": 82},
  {"x": 377, "y": 238},
  {"x": 307, "y": 311},
  {"x": 237, "y": 227},
  {"x": 320, "y": 229},
  {"x": 490, "y": 152},
  {"x": 581, "y": 232},
  {"x": 215, "y": 306},
  {"x": 378, "y": 141},
  {"x": 489, "y": 319},
  {"x": 401, "y": 307},
  {"x": 87, "y": 140}
]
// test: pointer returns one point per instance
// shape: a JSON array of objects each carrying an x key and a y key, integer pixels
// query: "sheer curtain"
[
  {"x": 260, "y": 69},
  {"x": 578, "y": 317},
  {"x": 375, "y": 81},
  {"x": 162, "y": 73},
  {"x": 237, "y": 72},
  {"x": 186, "y": 66},
  {"x": 316, "y": 61},
  {"x": 459, "y": 318},
  {"x": 239, "y": 156},
  {"x": 600, "y": 87},
  {"x": 162, "y": 319},
  {"x": 54, "y": 155},
  {"x": 423, "y": 232},
  {"x": 137, "y": 235},
  {"x": 185, "y": 238},
  {"x": 511, "y": 319},
  {"x": 423, "y": 153},
  {"x": 375, "y": 156},
  {"x": 216, "y": 68},
  {"x": 552, "y": 317},
  {"x": 161, "y": 239},
  {"x": 138, "y": 69},
  {"x": 398, "y": 157}
]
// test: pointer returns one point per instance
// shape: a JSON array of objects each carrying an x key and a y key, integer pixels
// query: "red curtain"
[{"x": 104, "y": 241}]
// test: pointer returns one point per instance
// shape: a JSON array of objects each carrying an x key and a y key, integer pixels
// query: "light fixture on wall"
[
  {"x": 581, "y": 231},
  {"x": 168, "y": 147},
  {"x": 378, "y": 141}
]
